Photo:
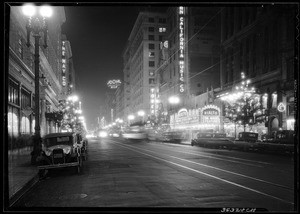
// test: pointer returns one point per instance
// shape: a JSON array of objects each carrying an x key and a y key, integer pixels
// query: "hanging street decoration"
[{"x": 243, "y": 105}]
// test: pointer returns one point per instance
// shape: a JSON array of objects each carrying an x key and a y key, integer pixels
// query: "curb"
[{"x": 18, "y": 195}]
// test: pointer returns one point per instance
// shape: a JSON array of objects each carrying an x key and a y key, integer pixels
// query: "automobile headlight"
[
  {"x": 48, "y": 152},
  {"x": 67, "y": 150},
  {"x": 103, "y": 134}
]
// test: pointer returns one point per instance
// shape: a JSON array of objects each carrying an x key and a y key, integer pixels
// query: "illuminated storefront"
[
  {"x": 210, "y": 118},
  {"x": 203, "y": 119}
]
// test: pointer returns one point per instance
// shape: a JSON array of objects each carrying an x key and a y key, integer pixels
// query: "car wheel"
[
  {"x": 42, "y": 174},
  {"x": 80, "y": 164}
]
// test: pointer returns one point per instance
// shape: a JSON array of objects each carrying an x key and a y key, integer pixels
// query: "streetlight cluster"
[{"x": 37, "y": 24}]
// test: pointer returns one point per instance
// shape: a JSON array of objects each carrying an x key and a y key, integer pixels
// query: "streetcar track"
[
  {"x": 249, "y": 177},
  {"x": 209, "y": 175},
  {"x": 211, "y": 156}
]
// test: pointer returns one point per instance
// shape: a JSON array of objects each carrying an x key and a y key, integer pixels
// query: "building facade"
[
  {"x": 20, "y": 105},
  {"x": 141, "y": 56},
  {"x": 189, "y": 60},
  {"x": 260, "y": 42}
]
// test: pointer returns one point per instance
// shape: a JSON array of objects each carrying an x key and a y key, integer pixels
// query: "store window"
[
  {"x": 13, "y": 121},
  {"x": 291, "y": 106},
  {"x": 25, "y": 125},
  {"x": 274, "y": 100},
  {"x": 33, "y": 126}
]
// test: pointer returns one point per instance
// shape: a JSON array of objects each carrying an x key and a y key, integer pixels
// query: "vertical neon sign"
[
  {"x": 63, "y": 64},
  {"x": 181, "y": 49}
]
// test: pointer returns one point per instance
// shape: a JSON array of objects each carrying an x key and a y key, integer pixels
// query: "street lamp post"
[{"x": 36, "y": 24}]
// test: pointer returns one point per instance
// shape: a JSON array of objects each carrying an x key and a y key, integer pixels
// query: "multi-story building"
[
  {"x": 108, "y": 110},
  {"x": 189, "y": 63},
  {"x": 141, "y": 62},
  {"x": 21, "y": 75},
  {"x": 260, "y": 41},
  {"x": 119, "y": 94}
]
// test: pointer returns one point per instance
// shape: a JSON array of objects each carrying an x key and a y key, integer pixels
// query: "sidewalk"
[{"x": 21, "y": 174}]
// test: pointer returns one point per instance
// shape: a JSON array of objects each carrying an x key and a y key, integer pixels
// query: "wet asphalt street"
[{"x": 121, "y": 173}]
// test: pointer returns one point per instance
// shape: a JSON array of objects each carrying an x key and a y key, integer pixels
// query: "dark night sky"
[{"x": 98, "y": 35}]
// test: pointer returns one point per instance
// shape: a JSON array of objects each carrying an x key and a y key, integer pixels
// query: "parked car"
[
  {"x": 84, "y": 143},
  {"x": 155, "y": 135},
  {"x": 60, "y": 150},
  {"x": 282, "y": 141},
  {"x": 213, "y": 140},
  {"x": 173, "y": 136},
  {"x": 247, "y": 141}
]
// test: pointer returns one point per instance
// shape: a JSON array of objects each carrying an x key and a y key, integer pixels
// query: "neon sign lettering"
[
  {"x": 64, "y": 79},
  {"x": 181, "y": 49}
]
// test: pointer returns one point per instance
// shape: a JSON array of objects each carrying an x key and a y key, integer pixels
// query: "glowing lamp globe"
[{"x": 29, "y": 10}]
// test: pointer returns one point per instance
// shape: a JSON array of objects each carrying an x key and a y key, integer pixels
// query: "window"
[
  {"x": 151, "y": 29},
  {"x": 20, "y": 47},
  {"x": 25, "y": 125},
  {"x": 12, "y": 121},
  {"x": 13, "y": 92},
  {"x": 151, "y": 54},
  {"x": 162, "y": 20},
  {"x": 290, "y": 68},
  {"x": 151, "y": 64},
  {"x": 151, "y": 81},
  {"x": 160, "y": 38},
  {"x": 151, "y": 37},
  {"x": 151, "y": 46},
  {"x": 162, "y": 29},
  {"x": 151, "y": 19},
  {"x": 25, "y": 99}
]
